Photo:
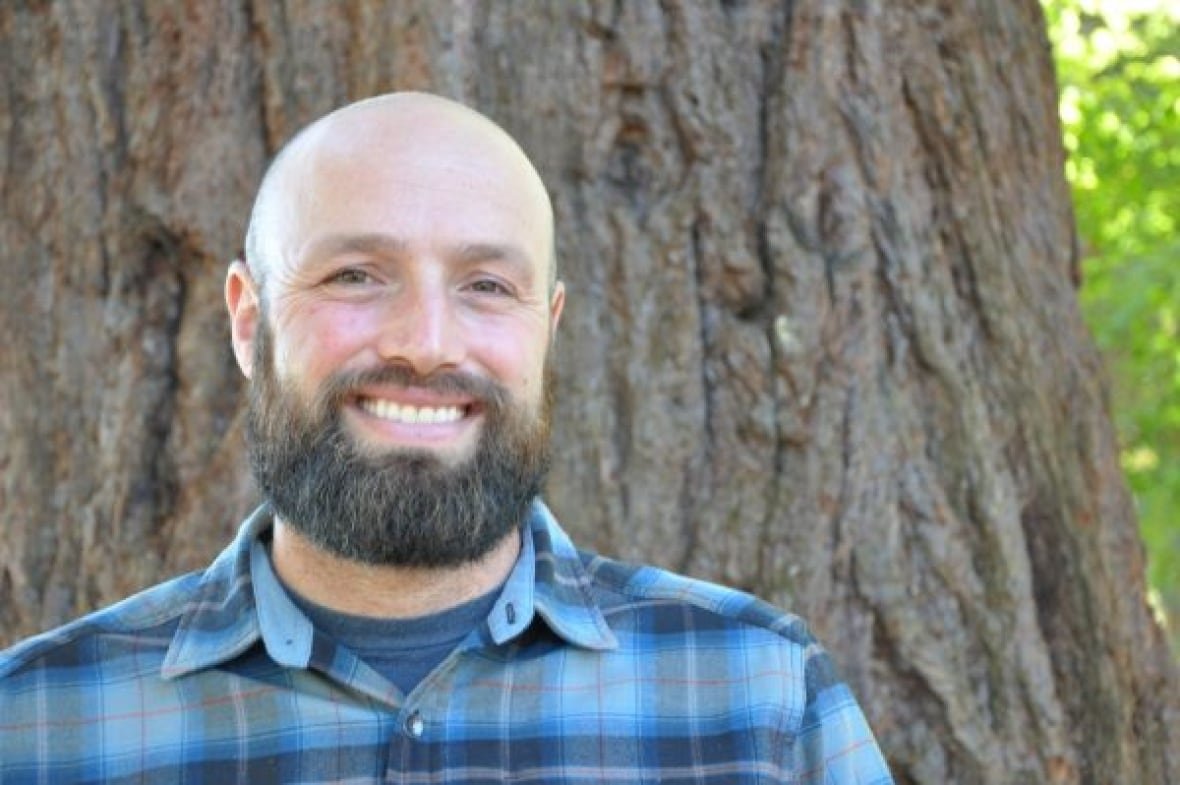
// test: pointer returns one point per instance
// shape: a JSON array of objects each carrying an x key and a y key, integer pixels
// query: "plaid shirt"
[{"x": 587, "y": 670}]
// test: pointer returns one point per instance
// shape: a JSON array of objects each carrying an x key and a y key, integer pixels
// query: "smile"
[{"x": 411, "y": 415}]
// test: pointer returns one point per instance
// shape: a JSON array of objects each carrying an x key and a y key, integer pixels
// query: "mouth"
[
  {"x": 413, "y": 419},
  {"x": 409, "y": 414}
]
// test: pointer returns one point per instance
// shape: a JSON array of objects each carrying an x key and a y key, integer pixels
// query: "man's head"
[{"x": 395, "y": 318}]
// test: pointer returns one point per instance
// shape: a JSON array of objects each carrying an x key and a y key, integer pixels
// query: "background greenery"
[{"x": 1118, "y": 66}]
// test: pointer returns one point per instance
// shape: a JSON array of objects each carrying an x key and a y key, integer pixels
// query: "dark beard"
[{"x": 402, "y": 507}]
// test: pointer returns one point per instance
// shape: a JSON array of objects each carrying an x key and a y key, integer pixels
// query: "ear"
[
  {"x": 556, "y": 304},
  {"x": 242, "y": 300}
]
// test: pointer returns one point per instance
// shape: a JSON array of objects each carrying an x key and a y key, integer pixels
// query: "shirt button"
[{"x": 415, "y": 725}]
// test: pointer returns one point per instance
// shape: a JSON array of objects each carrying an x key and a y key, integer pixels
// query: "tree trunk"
[{"x": 822, "y": 339}]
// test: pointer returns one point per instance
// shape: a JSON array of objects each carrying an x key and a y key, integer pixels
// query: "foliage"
[{"x": 1118, "y": 64}]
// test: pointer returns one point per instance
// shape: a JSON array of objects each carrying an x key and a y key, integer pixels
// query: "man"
[{"x": 403, "y": 608}]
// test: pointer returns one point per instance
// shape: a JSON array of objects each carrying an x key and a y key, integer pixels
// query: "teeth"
[{"x": 387, "y": 410}]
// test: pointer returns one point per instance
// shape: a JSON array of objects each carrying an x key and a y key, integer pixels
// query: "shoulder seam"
[{"x": 691, "y": 591}]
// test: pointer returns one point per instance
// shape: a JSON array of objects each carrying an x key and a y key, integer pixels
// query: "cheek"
[
  {"x": 515, "y": 357},
  {"x": 319, "y": 339}
]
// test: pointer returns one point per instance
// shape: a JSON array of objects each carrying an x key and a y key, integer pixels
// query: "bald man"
[{"x": 403, "y": 607}]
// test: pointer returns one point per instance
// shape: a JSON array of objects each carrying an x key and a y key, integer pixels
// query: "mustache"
[{"x": 345, "y": 384}]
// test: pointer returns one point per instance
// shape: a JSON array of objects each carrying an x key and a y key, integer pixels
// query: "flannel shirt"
[{"x": 586, "y": 670}]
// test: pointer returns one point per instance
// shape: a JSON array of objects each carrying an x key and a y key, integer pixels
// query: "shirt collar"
[
  {"x": 220, "y": 621},
  {"x": 240, "y": 600},
  {"x": 286, "y": 631},
  {"x": 549, "y": 581}
]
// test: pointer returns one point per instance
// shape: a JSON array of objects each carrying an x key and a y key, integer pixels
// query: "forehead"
[{"x": 443, "y": 182}]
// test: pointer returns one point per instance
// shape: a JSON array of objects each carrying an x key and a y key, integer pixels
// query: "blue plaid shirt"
[{"x": 587, "y": 670}]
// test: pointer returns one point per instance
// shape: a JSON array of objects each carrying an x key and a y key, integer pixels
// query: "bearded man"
[{"x": 403, "y": 607}]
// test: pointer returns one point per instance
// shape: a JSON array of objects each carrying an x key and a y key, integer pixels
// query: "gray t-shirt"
[{"x": 402, "y": 650}]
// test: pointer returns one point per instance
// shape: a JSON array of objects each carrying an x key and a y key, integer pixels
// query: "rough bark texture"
[{"x": 822, "y": 339}]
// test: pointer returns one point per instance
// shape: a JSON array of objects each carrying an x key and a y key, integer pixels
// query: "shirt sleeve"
[{"x": 834, "y": 744}]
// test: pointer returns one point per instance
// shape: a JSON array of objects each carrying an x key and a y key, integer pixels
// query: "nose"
[{"x": 420, "y": 330}]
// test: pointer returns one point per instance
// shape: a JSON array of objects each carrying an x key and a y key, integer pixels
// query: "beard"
[{"x": 398, "y": 507}]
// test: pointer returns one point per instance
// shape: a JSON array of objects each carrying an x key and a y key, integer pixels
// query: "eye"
[
  {"x": 489, "y": 286},
  {"x": 350, "y": 276}
]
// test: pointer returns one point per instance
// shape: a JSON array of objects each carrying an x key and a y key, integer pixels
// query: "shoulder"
[
  {"x": 720, "y": 641},
  {"x": 136, "y": 633},
  {"x": 731, "y": 650},
  {"x": 625, "y": 593},
  {"x": 622, "y": 588},
  {"x": 142, "y": 622}
]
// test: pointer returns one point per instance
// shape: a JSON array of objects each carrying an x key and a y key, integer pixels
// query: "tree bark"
[{"x": 822, "y": 339}]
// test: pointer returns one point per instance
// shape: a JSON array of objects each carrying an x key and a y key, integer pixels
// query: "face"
[
  {"x": 408, "y": 307},
  {"x": 400, "y": 507}
]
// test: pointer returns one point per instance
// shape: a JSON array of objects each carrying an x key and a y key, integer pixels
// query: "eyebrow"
[
  {"x": 485, "y": 252},
  {"x": 389, "y": 245},
  {"x": 380, "y": 244}
]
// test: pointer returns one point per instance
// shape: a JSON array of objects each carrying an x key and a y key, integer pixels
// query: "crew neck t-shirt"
[{"x": 402, "y": 650}]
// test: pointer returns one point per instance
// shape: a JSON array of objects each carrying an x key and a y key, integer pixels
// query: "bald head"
[{"x": 413, "y": 140}]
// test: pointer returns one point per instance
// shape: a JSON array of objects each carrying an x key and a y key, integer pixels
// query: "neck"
[{"x": 383, "y": 591}]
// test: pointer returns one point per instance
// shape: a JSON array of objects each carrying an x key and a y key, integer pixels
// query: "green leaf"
[{"x": 1118, "y": 73}]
